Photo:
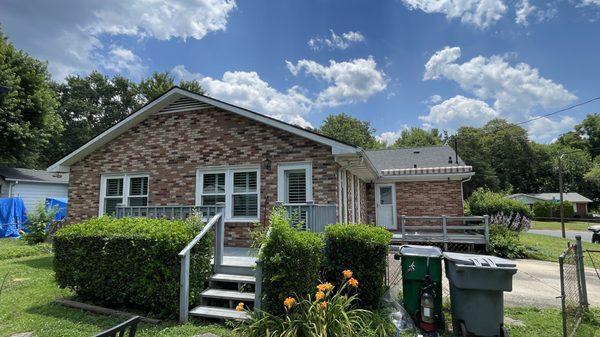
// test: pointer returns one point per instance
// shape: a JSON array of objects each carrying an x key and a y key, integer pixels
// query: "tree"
[
  {"x": 350, "y": 130},
  {"x": 28, "y": 118},
  {"x": 159, "y": 82},
  {"x": 585, "y": 136},
  {"x": 418, "y": 137},
  {"x": 89, "y": 105}
]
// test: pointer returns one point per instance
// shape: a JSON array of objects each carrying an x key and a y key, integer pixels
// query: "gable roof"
[
  {"x": 569, "y": 196},
  {"x": 178, "y": 99},
  {"x": 29, "y": 175}
]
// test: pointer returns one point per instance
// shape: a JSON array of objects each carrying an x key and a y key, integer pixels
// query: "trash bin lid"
[
  {"x": 424, "y": 251},
  {"x": 479, "y": 260}
]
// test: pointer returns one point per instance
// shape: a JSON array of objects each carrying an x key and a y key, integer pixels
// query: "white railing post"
[
  {"x": 219, "y": 240},
  {"x": 402, "y": 225},
  {"x": 445, "y": 230},
  {"x": 184, "y": 288},
  {"x": 258, "y": 286}
]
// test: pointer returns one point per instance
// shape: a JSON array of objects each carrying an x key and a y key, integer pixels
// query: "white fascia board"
[
  {"x": 63, "y": 164},
  {"x": 426, "y": 177},
  {"x": 112, "y": 133},
  {"x": 336, "y": 147}
]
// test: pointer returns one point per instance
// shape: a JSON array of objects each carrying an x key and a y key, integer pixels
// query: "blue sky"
[{"x": 396, "y": 63}]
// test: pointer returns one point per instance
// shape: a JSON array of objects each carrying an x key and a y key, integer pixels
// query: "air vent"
[{"x": 184, "y": 104}]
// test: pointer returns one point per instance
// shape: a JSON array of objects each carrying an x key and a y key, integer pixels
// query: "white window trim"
[
  {"x": 282, "y": 167},
  {"x": 125, "y": 197},
  {"x": 353, "y": 198},
  {"x": 228, "y": 171}
]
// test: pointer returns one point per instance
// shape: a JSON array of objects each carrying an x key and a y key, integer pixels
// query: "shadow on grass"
[
  {"x": 77, "y": 317},
  {"x": 44, "y": 262}
]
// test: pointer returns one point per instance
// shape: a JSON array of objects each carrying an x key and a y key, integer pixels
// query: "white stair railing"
[{"x": 184, "y": 282}]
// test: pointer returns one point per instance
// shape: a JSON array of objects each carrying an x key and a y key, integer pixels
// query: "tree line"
[{"x": 42, "y": 120}]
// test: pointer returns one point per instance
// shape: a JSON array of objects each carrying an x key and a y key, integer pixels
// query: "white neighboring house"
[
  {"x": 580, "y": 203},
  {"x": 33, "y": 186}
]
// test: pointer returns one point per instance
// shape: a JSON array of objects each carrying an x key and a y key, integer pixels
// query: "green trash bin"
[
  {"x": 418, "y": 261},
  {"x": 477, "y": 285}
]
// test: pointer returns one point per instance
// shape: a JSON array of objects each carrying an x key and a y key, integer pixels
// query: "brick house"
[{"x": 188, "y": 149}]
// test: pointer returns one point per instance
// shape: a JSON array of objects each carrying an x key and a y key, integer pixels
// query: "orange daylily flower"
[
  {"x": 319, "y": 295},
  {"x": 353, "y": 282},
  {"x": 324, "y": 305},
  {"x": 325, "y": 286},
  {"x": 289, "y": 302},
  {"x": 240, "y": 307},
  {"x": 347, "y": 273}
]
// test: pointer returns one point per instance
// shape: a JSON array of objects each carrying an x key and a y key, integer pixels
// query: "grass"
[
  {"x": 555, "y": 225},
  {"x": 26, "y": 303},
  {"x": 549, "y": 248}
]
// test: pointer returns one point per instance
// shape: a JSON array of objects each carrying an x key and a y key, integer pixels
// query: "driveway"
[
  {"x": 537, "y": 284},
  {"x": 585, "y": 235}
]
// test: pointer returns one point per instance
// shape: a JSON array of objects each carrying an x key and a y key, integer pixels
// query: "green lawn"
[
  {"x": 26, "y": 303},
  {"x": 549, "y": 248},
  {"x": 554, "y": 225}
]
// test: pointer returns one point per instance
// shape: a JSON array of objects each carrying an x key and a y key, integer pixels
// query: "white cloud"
[
  {"x": 335, "y": 41},
  {"x": 546, "y": 130},
  {"x": 390, "y": 137},
  {"x": 349, "y": 82},
  {"x": 248, "y": 90},
  {"x": 590, "y": 3},
  {"x": 119, "y": 59},
  {"x": 522, "y": 10},
  {"x": 68, "y": 33},
  {"x": 435, "y": 99},
  {"x": 481, "y": 13},
  {"x": 515, "y": 90},
  {"x": 459, "y": 111}
]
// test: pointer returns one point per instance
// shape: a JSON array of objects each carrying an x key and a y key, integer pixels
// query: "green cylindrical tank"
[{"x": 418, "y": 261}]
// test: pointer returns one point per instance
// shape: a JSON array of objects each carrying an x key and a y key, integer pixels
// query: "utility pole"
[{"x": 560, "y": 187}]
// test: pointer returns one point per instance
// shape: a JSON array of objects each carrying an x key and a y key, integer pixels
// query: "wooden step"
[
  {"x": 216, "y": 312},
  {"x": 233, "y": 278},
  {"x": 228, "y": 295}
]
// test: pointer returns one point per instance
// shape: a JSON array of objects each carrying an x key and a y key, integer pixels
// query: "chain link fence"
[{"x": 573, "y": 287}]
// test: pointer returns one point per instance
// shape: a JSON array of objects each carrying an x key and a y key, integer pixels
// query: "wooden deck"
[{"x": 473, "y": 230}]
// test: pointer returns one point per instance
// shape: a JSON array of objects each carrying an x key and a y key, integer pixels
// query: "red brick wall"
[
  {"x": 171, "y": 147},
  {"x": 422, "y": 198}
]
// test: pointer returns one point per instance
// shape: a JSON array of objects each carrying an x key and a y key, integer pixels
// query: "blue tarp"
[
  {"x": 61, "y": 203},
  {"x": 12, "y": 216}
]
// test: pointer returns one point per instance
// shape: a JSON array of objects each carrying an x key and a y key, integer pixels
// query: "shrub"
[
  {"x": 131, "y": 262},
  {"x": 363, "y": 249},
  {"x": 505, "y": 243},
  {"x": 486, "y": 202},
  {"x": 546, "y": 209},
  {"x": 291, "y": 260},
  {"x": 327, "y": 313},
  {"x": 38, "y": 224}
]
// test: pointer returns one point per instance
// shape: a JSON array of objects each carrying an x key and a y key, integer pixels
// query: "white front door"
[{"x": 385, "y": 206}]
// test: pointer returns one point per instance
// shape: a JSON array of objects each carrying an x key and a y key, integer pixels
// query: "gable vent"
[{"x": 184, "y": 104}]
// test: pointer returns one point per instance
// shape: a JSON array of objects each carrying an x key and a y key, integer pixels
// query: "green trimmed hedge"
[
  {"x": 362, "y": 249},
  {"x": 131, "y": 262},
  {"x": 546, "y": 209},
  {"x": 291, "y": 261},
  {"x": 486, "y": 202}
]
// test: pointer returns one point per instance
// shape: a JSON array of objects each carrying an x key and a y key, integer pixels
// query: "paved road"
[{"x": 585, "y": 235}]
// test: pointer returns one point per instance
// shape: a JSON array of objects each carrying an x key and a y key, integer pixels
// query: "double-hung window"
[
  {"x": 294, "y": 183},
  {"x": 237, "y": 187},
  {"x": 125, "y": 189}
]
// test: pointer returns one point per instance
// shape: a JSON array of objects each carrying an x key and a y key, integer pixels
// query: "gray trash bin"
[{"x": 477, "y": 283}]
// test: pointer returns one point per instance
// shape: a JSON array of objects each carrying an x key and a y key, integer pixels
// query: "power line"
[{"x": 559, "y": 111}]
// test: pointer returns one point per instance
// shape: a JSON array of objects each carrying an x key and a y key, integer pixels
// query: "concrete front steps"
[{"x": 224, "y": 293}]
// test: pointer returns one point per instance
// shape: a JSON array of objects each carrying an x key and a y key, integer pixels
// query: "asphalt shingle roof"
[
  {"x": 405, "y": 158},
  {"x": 13, "y": 173}
]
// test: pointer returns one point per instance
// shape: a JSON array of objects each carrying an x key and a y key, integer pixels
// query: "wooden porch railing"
[
  {"x": 312, "y": 217},
  {"x": 445, "y": 229}
]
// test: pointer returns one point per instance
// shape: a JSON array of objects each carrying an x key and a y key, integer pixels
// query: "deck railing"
[
  {"x": 312, "y": 217},
  {"x": 444, "y": 229},
  {"x": 166, "y": 212}
]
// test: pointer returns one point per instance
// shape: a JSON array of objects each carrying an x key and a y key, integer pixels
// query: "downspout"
[{"x": 462, "y": 191}]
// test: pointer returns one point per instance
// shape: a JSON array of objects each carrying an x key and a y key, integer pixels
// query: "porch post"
[
  {"x": 445, "y": 230},
  {"x": 184, "y": 288}
]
